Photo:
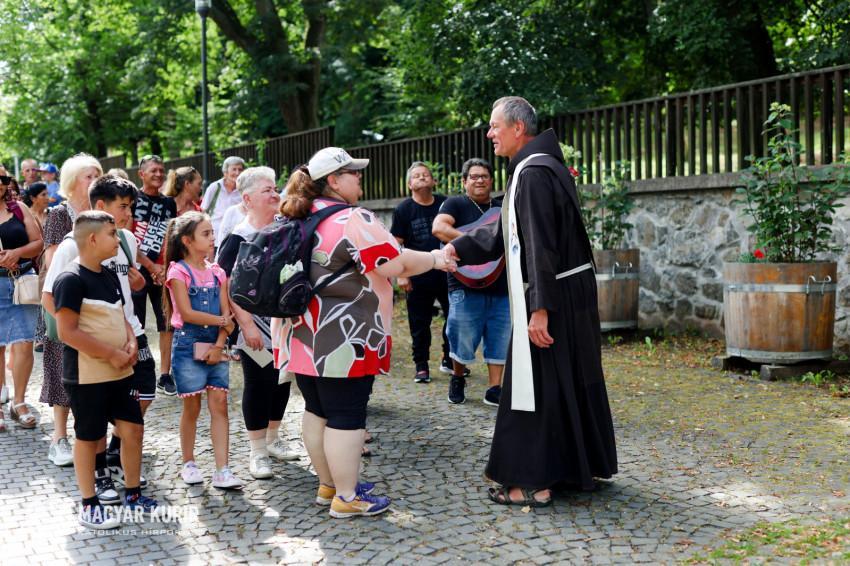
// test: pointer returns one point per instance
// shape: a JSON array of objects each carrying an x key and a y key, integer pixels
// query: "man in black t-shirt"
[
  {"x": 151, "y": 213},
  {"x": 412, "y": 223},
  {"x": 475, "y": 314}
]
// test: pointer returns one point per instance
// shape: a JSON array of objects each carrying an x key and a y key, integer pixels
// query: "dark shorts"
[
  {"x": 144, "y": 372},
  {"x": 96, "y": 404},
  {"x": 155, "y": 294},
  {"x": 340, "y": 400}
]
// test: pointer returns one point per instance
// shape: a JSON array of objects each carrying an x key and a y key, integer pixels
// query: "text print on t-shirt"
[{"x": 150, "y": 232}]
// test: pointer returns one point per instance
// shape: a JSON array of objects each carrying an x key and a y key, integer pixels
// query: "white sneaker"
[
  {"x": 224, "y": 479},
  {"x": 280, "y": 450},
  {"x": 191, "y": 474},
  {"x": 99, "y": 517},
  {"x": 60, "y": 452},
  {"x": 260, "y": 467},
  {"x": 4, "y": 395}
]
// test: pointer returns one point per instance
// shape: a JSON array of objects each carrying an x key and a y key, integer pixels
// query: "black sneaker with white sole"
[
  {"x": 423, "y": 376},
  {"x": 104, "y": 488},
  {"x": 456, "y": 390},
  {"x": 113, "y": 464},
  {"x": 493, "y": 395},
  {"x": 166, "y": 384}
]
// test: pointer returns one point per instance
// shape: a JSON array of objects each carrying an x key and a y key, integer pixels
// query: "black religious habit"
[{"x": 569, "y": 438}]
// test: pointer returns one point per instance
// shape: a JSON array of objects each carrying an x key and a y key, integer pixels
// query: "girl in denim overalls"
[{"x": 198, "y": 307}]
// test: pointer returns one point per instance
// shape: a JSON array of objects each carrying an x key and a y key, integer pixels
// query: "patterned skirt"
[{"x": 52, "y": 391}]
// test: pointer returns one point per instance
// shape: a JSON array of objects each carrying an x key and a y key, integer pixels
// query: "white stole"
[{"x": 522, "y": 384}]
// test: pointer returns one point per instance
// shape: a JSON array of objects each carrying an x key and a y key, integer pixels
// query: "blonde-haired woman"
[
  {"x": 184, "y": 185},
  {"x": 76, "y": 175}
]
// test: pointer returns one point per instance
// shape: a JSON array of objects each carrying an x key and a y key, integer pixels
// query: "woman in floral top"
[{"x": 343, "y": 340}]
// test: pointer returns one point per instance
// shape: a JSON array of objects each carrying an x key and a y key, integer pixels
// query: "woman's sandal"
[
  {"x": 369, "y": 438},
  {"x": 2, "y": 422},
  {"x": 365, "y": 452},
  {"x": 26, "y": 420},
  {"x": 501, "y": 495}
]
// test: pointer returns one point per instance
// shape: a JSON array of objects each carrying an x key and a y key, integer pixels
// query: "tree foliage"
[{"x": 108, "y": 76}]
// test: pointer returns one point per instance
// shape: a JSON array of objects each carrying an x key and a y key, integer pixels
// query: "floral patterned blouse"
[{"x": 346, "y": 329}]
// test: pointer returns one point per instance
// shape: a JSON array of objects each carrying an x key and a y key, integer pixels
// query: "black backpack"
[{"x": 255, "y": 280}]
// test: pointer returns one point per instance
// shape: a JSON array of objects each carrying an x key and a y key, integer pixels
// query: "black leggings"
[
  {"x": 420, "y": 311},
  {"x": 263, "y": 399}
]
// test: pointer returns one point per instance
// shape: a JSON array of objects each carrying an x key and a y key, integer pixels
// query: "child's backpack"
[{"x": 271, "y": 274}]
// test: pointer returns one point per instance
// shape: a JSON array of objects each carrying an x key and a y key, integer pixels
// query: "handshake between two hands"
[{"x": 445, "y": 259}]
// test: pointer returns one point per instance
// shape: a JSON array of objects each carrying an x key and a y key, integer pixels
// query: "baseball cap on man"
[
  {"x": 48, "y": 168},
  {"x": 331, "y": 159}
]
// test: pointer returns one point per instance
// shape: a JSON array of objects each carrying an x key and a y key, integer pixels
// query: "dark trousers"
[
  {"x": 263, "y": 399},
  {"x": 420, "y": 310}
]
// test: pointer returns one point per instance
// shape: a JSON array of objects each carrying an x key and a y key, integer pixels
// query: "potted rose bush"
[
  {"x": 779, "y": 298},
  {"x": 605, "y": 210}
]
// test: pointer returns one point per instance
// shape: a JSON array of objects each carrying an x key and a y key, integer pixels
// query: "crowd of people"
[{"x": 101, "y": 248}]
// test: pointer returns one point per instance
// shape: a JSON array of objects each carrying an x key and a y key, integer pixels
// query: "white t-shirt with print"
[{"x": 67, "y": 253}]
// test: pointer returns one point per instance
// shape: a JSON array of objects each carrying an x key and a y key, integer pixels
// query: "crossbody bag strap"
[
  {"x": 125, "y": 247},
  {"x": 211, "y": 208}
]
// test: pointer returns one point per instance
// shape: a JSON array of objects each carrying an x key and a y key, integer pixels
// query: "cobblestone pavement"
[{"x": 703, "y": 454}]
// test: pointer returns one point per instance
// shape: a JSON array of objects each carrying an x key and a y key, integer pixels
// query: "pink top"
[
  {"x": 346, "y": 330},
  {"x": 203, "y": 278}
]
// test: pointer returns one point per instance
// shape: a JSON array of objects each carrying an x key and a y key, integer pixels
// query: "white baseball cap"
[{"x": 326, "y": 161}]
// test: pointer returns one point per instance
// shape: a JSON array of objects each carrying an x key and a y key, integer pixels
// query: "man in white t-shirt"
[
  {"x": 222, "y": 194},
  {"x": 116, "y": 196}
]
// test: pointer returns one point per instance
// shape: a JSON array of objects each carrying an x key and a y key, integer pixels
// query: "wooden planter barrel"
[
  {"x": 779, "y": 312},
  {"x": 617, "y": 283}
]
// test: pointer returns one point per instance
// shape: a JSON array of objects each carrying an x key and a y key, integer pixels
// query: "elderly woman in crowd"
[
  {"x": 76, "y": 175},
  {"x": 336, "y": 352},
  {"x": 20, "y": 242},
  {"x": 264, "y": 400}
]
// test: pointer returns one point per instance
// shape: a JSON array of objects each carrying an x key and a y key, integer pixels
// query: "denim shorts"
[
  {"x": 191, "y": 376},
  {"x": 17, "y": 322},
  {"x": 474, "y": 316}
]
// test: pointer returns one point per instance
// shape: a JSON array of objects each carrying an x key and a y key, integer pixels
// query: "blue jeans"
[
  {"x": 17, "y": 322},
  {"x": 474, "y": 316}
]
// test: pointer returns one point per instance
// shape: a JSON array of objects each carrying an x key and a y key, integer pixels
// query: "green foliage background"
[{"x": 108, "y": 76}]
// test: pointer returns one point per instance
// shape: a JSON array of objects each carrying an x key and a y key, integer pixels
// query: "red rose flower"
[
  {"x": 758, "y": 254},
  {"x": 573, "y": 171}
]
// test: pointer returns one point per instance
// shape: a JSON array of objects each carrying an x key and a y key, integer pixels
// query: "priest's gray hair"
[
  {"x": 230, "y": 161},
  {"x": 413, "y": 166},
  {"x": 249, "y": 179},
  {"x": 517, "y": 109}
]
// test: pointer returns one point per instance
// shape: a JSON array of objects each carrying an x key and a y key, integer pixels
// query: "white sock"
[
  {"x": 258, "y": 447},
  {"x": 271, "y": 435}
]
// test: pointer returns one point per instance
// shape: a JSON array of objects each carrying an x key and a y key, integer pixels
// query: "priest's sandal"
[{"x": 501, "y": 495}]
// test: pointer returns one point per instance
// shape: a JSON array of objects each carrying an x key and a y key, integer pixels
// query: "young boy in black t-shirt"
[{"x": 97, "y": 362}]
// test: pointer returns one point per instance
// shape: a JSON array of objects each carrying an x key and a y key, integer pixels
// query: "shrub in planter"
[{"x": 779, "y": 299}]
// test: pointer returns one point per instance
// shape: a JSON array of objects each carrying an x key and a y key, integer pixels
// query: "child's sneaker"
[
  {"x": 104, "y": 488},
  {"x": 191, "y": 474},
  {"x": 139, "y": 501},
  {"x": 362, "y": 505},
  {"x": 61, "y": 453},
  {"x": 98, "y": 517},
  {"x": 280, "y": 450},
  {"x": 224, "y": 479},
  {"x": 260, "y": 467},
  {"x": 113, "y": 463},
  {"x": 325, "y": 493}
]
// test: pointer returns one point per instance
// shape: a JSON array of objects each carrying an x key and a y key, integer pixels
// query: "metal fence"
[
  {"x": 693, "y": 133},
  {"x": 281, "y": 154}
]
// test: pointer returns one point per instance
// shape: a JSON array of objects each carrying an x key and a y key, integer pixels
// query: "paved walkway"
[{"x": 703, "y": 454}]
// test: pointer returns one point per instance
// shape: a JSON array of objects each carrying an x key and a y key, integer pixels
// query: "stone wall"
[{"x": 686, "y": 227}]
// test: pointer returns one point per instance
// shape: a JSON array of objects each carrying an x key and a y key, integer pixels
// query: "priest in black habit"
[{"x": 553, "y": 426}]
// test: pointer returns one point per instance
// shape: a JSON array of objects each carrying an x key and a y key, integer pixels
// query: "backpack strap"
[
  {"x": 125, "y": 247},
  {"x": 318, "y": 218},
  {"x": 211, "y": 208}
]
